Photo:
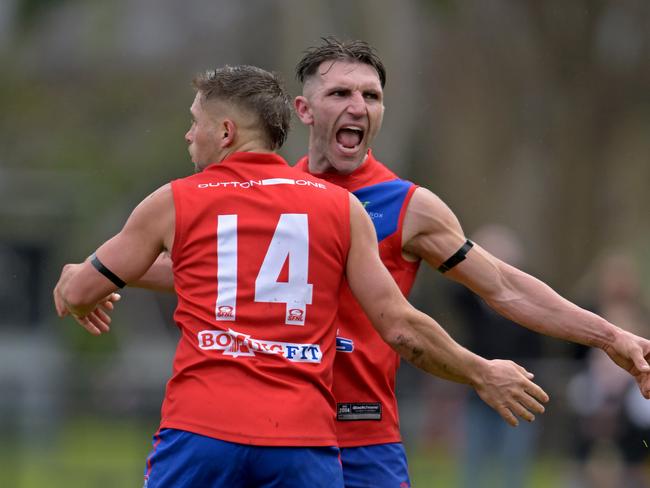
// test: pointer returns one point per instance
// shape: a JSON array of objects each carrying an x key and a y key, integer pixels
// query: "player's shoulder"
[
  {"x": 189, "y": 180},
  {"x": 309, "y": 180},
  {"x": 425, "y": 197},
  {"x": 379, "y": 172},
  {"x": 158, "y": 199},
  {"x": 428, "y": 210}
]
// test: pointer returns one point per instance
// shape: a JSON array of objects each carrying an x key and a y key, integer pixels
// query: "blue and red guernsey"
[
  {"x": 365, "y": 366},
  {"x": 259, "y": 256}
]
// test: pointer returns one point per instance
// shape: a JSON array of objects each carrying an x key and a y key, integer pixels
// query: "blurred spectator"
[
  {"x": 613, "y": 419},
  {"x": 495, "y": 454}
]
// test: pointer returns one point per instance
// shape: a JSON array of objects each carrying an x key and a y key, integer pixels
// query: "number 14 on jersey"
[{"x": 290, "y": 243}]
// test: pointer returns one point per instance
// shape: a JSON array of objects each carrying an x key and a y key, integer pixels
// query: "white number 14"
[{"x": 290, "y": 243}]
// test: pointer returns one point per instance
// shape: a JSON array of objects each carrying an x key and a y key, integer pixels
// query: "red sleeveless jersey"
[
  {"x": 259, "y": 256},
  {"x": 365, "y": 366}
]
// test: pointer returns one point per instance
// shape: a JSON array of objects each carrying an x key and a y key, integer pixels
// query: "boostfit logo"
[{"x": 236, "y": 344}]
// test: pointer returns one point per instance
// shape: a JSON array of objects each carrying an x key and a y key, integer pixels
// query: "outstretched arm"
[
  {"x": 147, "y": 232},
  {"x": 432, "y": 232},
  {"x": 504, "y": 385}
]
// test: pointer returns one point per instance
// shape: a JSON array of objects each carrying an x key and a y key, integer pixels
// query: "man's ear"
[
  {"x": 228, "y": 133},
  {"x": 303, "y": 110}
]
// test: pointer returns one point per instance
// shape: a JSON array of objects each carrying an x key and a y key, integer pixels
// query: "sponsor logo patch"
[
  {"x": 296, "y": 316},
  {"x": 225, "y": 312},
  {"x": 257, "y": 183},
  {"x": 358, "y": 411},
  {"x": 236, "y": 344}
]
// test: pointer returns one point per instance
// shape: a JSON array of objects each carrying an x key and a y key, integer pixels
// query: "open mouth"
[{"x": 349, "y": 137}]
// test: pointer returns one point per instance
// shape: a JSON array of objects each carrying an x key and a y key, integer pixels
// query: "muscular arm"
[
  {"x": 159, "y": 277},
  {"x": 433, "y": 233},
  {"x": 420, "y": 339},
  {"x": 148, "y": 231}
]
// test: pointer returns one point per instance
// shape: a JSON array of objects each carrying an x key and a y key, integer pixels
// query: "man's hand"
[
  {"x": 631, "y": 353},
  {"x": 68, "y": 271},
  {"x": 507, "y": 388},
  {"x": 98, "y": 320}
]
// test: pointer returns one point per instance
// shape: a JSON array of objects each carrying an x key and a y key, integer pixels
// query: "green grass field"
[
  {"x": 437, "y": 468},
  {"x": 88, "y": 453},
  {"x": 95, "y": 453}
]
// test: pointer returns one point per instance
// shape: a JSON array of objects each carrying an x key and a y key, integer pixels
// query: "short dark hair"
[
  {"x": 253, "y": 89},
  {"x": 333, "y": 49}
]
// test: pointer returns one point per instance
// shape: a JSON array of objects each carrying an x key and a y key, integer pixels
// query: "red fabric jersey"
[
  {"x": 365, "y": 366},
  {"x": 259, "y": 254}
]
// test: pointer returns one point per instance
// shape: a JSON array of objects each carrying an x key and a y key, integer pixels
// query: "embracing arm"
[
  {"x": 159, "y": 277},
  {"x": 147, "y": 232},
  {"x": 418, "y": 338},
  {"x": 432, "y": 232}
]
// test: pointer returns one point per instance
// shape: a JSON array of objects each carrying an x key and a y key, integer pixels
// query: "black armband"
[
  {"x": 457, "y": 257},
  {"x": 99, "y": 266}
]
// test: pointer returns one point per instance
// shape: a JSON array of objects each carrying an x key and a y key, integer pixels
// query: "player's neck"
[
  {"x": 249, "y": 146},
  {"x": 320, "y": 163}
]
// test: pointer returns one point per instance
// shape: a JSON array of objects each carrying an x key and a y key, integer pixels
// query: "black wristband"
[
  {"x": 99, "y": 266},
  {"x": 457, "y": 257}
]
